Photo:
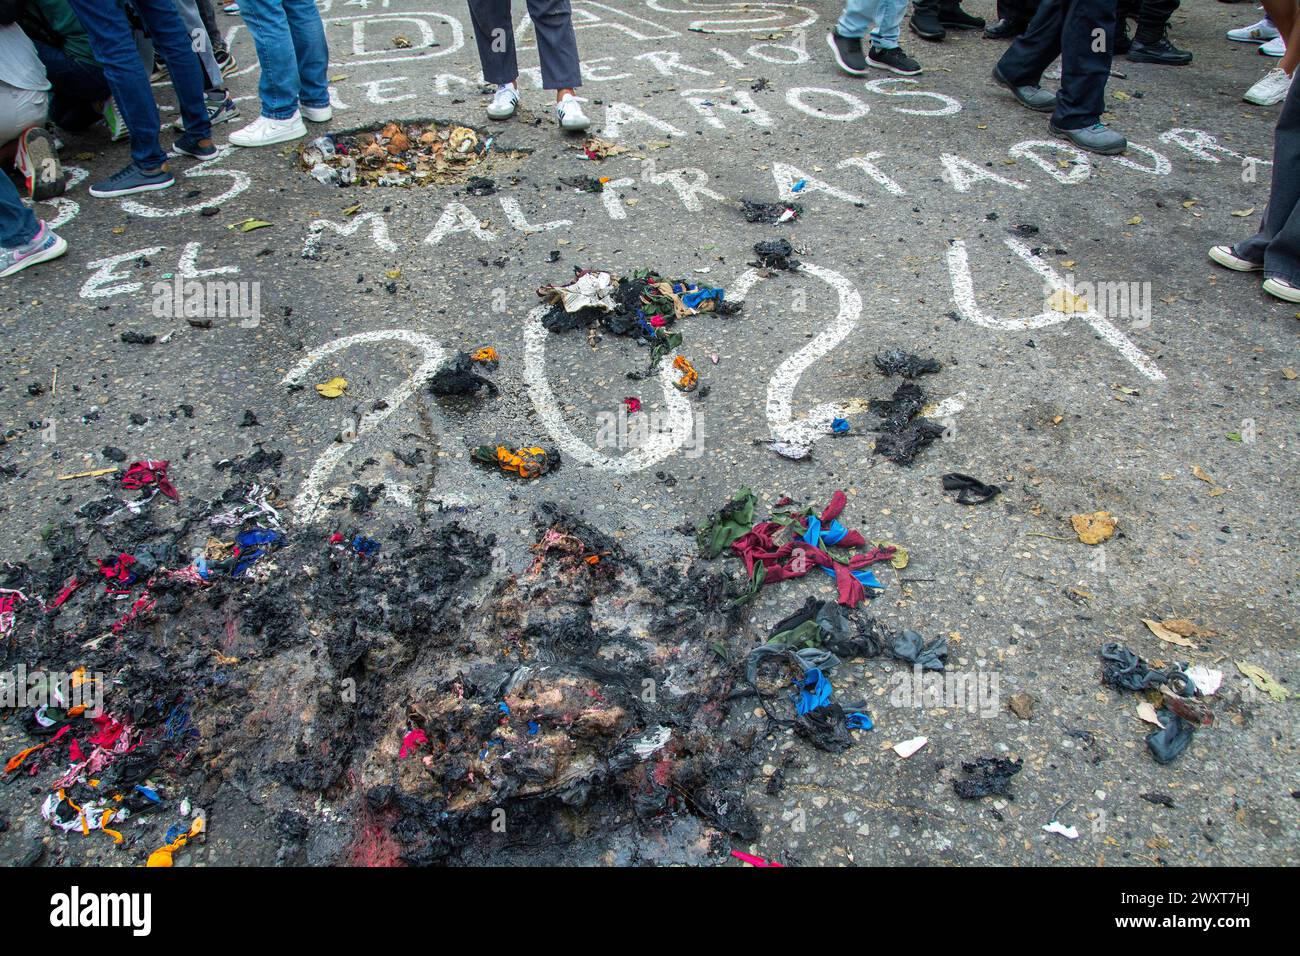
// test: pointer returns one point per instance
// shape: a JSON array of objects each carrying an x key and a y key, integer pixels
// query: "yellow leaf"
[
  {"x": 333, "y": 388},
  {"x": 1121, "y": 95},
  {"x": 1094, "y": 528},
  {"x": 1135, "y": 221},
  {"x": 1063, "y": 300},
  {"x": 1243, "y": 213},
  {"x": 1264, "y": 680},
  {"x": 248, "y": 225}
]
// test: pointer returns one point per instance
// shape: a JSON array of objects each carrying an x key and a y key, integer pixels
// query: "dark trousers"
[
  {"x": 1017, "y": 11},
  {"x": 1277, "y": 244},
  {"x": 210, "y": 25},
  {"x": 76, "y": 87},
  {"x": 557, "y": 44},
  {"x": 114, "y": 47},
  {"x": 1152, "y": 16},
  {"x": 1065, "y": 28}
]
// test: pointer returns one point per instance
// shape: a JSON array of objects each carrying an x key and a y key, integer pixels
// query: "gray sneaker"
[
  {"x": 45, "y": 245},
  {"x": 1032, "y": 97},
  {"x": 1097, "y": 138}
]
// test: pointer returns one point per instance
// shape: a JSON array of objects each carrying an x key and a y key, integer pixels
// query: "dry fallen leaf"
[
  {"x": 1094, "y": 528},
  {"x": 1184, "y": 627},
  {"x": 1063, "y": 300},
  {"x": 1263, "y": 680},
  {"x": 1135, "y": 221},
  {"x": 1162, "y": 632},
  {"x": 1201, "y": 473},
  {"x": 333, "y": 388},
  {"x": 1243, "y": 213},
  {"x": 1147, "y": 712}
]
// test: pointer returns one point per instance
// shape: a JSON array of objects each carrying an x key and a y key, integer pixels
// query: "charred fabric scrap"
[
  {"x": 1183, "y": 709},
  {"x": 644, "y": 306},
  {"x": 903, "y": 432},
  {"x": 387, "y": 677},
  {"x": 790, "y": 673}
]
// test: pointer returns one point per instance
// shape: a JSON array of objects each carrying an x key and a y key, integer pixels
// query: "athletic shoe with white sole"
[
  {"x": 569, "y": 112},
  {"x": 1255, "y": 33},
  {"x": 226, "y": 61},
  {"x": 37, "y": 159},
  {"x": 848, "y": 53},
  {"x": 117, "y": 128},
  {"x": 186, "y": 145},
  {"x": 504, "y": 102},
  {"x": 221, "y": 109},
  {"x": 316, "y": 114},
  {"x": 1274, "y": 47},
  {"x": 892, "y": 59},
  {"x": 132, "y": 179},
  {"x": 1225, "y": 257},
  {"x": 1281, "y": 289},
  {"x": 265, "y": 131},
  {"x": 230, "y": 9},
  {"x": 1269, "y": 91},
  {"x": 45, "y": 245}
]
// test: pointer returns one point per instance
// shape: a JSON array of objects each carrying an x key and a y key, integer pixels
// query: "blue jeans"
[
  {"x": 17, "y": 224},
  {"x": 112, "y": 43},
  {"x": 77, "y": 86},
  {"x": 290, "y": 41},
  {"x": 882, "y": 17}
]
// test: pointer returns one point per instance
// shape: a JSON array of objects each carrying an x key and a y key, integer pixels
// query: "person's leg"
[
  {"x": 1084, "y": 69},
  {"x": 114, "y": 47},
  {"x": 20, "y": 110},
  {"x": 175, "y": 45},
  {"x": 18, "y": 226},
  {"x": 188, "y": 11},
  {"x": 888, "y": 17},
  {"x": 278, "y": 86},
  {"x": 24, "y": 240},
  {"x": 557, "y": 44},
  {"x": 494, "y": 33},
  {"x": 1277, "y": 243},
  {"x": 1283, "y": 15},
  {"x": 1152, "y": 18},
  {"x": 76, "y": 88},
  {"x": 1034, "y": 50},
  {"x": 857, "y": 18},
  {"x": 310, "y": 50},
  {"x": 209, "y": 17}
]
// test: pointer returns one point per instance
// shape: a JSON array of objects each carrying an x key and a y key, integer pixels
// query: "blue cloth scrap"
[
  {"x": 840, "y": 426},
  {"x": 814, "y": 691},
  {"x": 858, "y": 721},
  {"x": 833, "y": 536}
]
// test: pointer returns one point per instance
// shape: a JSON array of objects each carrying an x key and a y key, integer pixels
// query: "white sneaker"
[
  {"x": 317, "y": 114},
  {"x": 1269, "y": 91},
  {"x": 265, "y": 131},
  {"x": 1255, "y": 33},
  {"x": 1281, "y": 289},
  {"x": 504, "y": 102},
  {"x": 1225, "y": 257},
  {"x": 1274, "y": 47},
  {"x": 569, "y": 111}
]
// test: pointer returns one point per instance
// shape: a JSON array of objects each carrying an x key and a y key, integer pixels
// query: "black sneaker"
[
  {"x": 955, "y": 18},
  {"x": 926, "y": 25},
  {"x": 1161, "y": 51},
  {"x": 893, "y": 59},
  {"x": 848, "y": 53}
]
